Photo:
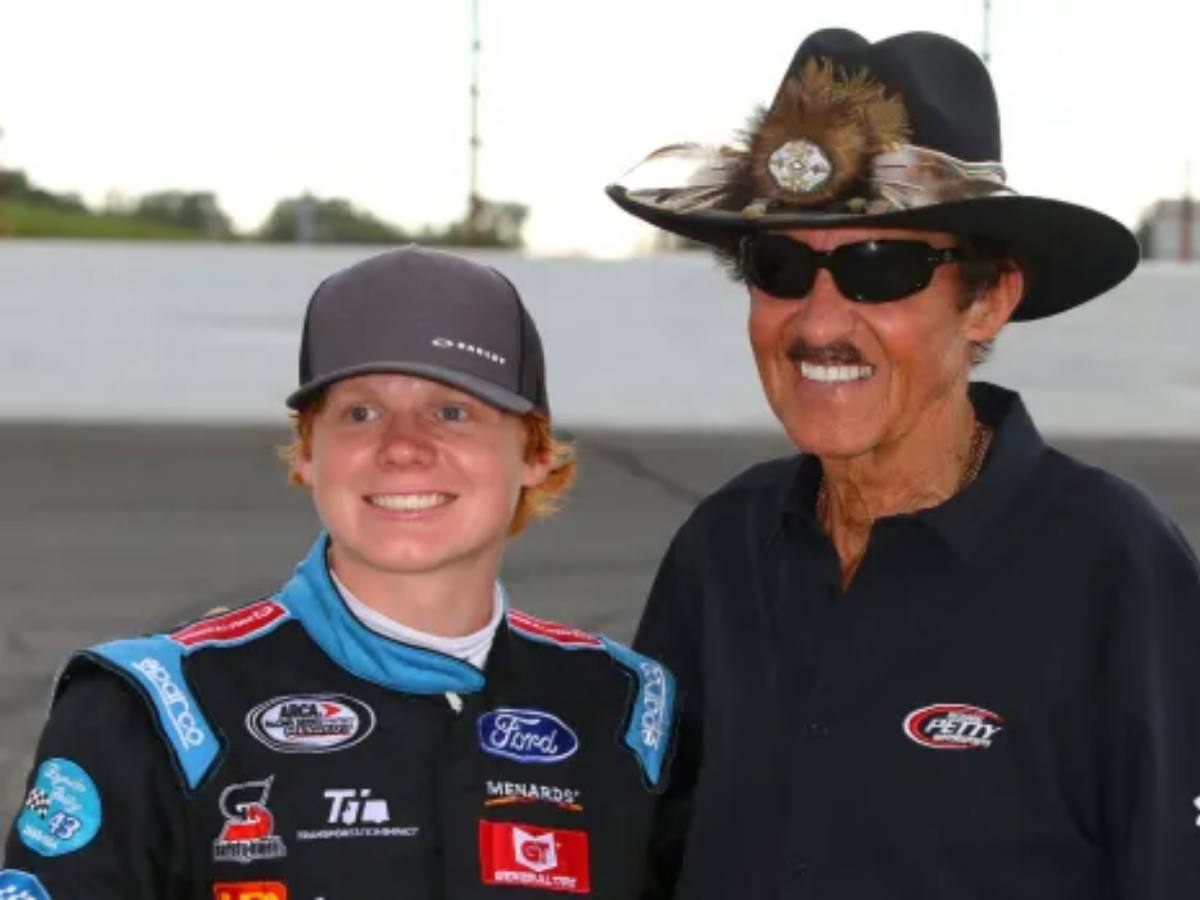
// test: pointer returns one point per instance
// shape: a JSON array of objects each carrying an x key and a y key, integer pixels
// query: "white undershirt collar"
[{"x": 472, "y": 648}]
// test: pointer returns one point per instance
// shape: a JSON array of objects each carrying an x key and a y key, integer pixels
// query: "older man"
[{"x": 929, "y": 657}]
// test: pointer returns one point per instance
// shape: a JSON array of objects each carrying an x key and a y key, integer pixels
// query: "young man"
[
  {"x": 930, "y": 656},
  {"x": 384, "y": 725}
]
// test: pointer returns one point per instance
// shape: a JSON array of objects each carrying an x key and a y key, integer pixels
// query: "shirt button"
[{"x": 798, "y": 869}]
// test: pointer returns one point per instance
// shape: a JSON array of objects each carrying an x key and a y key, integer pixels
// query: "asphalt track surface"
[{"x": 112, "y": 530}]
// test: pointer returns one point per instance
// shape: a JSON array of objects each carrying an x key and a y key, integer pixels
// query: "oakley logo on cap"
[{"x": 448, "y": 344}]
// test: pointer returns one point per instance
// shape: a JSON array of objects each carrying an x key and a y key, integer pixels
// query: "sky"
[{"x": 369, "y": 100}]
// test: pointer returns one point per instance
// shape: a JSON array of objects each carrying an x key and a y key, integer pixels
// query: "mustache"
[{"x": 839, "y": 353}]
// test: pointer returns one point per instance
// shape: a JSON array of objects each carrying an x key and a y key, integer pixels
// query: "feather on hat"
[{"x": 903, "y": 133}]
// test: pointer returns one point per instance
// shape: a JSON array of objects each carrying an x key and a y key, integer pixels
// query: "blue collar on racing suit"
[
  {"x": 313, "y": 599},
  {"x": 155, "y": 664}
]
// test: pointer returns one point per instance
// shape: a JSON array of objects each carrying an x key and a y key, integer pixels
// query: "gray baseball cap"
[{"x": 426, "y": 313}]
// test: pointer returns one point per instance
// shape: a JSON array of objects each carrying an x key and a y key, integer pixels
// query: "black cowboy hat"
[{"x": 903, "y": 133}]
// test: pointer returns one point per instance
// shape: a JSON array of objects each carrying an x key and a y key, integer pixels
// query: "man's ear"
[{"x": 991, "y": 310}]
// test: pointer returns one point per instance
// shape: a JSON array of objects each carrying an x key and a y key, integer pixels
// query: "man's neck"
[
  {"x": 922, "y": 469},
  {"x": 455, "y": 600}
]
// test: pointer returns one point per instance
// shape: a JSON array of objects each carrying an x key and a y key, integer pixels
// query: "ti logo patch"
[
  {"x": 526, "y": 735},
  {"x": 953, "y": 726},
  {"x": 311, "y": 723},
  {"x": 348, "y": 806},
  {"x": 249, "y": 830},
  {"x": 354, "y": 813},
  {"x": 531, "y": 857},
  {"x": 18, "y": 885},
  {"x": 250, "y": 890},
  {"x": 62, "y": 811}
]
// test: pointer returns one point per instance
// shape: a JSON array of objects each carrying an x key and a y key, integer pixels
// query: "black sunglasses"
[{"x": 865, "y": 272}]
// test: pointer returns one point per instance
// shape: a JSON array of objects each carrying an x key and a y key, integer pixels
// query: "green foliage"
[
  {"x": 491, "y": 224},
  {"x": 332, "y": 221},
  {"x": 16, "y": 186},
  {"x": 192, "y": 210},
  {"x": 337, "y": 221},
  {"x": 19, "y": 218},
  {"x": 27, "y": 210}
]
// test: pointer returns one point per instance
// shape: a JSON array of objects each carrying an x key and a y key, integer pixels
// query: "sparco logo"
[
  {"x": 953, "y": 726},
  {"x": 448, "y": 344},
  {"x": 526, "y": 735},
  {"x": 174, "y": 701},
  {"x": 654, "y": 700},
  {"x": 311, "y": 723}
]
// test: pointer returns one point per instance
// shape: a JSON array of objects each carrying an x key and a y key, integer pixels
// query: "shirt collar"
[
  {"x": 311, "y": 596},
  {"x": 962, "y": 520}
]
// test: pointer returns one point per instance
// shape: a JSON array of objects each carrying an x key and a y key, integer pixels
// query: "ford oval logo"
[
  {"x": 311, "y": 723},
  {"x": 526, "y": 735}
]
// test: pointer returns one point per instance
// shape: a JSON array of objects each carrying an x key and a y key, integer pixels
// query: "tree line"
[{"x": 27, "y": 210}]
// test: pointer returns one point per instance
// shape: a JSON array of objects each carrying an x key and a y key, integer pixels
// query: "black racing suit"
[{"x": 283, "y": 750}]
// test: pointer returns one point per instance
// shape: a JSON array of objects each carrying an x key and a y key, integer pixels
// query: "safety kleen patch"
[{"x": 62, "y": 811}]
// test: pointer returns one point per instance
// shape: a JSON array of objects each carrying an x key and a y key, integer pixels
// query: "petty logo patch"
[
  {"x": 311, "y": 723},
  {"x": 526, "y": 735},
  {"x": 18, "y": 885},
  {"x": 250, "y": 890},
  {"x": 953, "y": 726},
  {"x": 531, "y": 857},
  {"x": 62, "y": 810},
  {"x": 249, "y": 830}
]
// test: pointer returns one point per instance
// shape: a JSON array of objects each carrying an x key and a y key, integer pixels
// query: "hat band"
[
  {"x": 686, "y": 178},
  {"x": 915, "y": 176}
]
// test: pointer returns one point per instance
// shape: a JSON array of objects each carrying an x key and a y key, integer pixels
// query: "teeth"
[
  {"x": 409, "y": 502},
  {"x": 835, "y": 374}
]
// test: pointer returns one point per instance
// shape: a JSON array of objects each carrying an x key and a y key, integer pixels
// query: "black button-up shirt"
[{"x": 1005, "y": 702}]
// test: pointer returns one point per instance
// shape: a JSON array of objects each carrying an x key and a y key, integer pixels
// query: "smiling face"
[
  {"x": 848, "y": 378},
  {"x": 411, "y": 476}
]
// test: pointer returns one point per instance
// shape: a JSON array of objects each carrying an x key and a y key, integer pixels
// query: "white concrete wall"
[{"x": 210, "y": 332}]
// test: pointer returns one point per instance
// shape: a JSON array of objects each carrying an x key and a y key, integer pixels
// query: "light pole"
[
  {"x": 987, "y": 32},
  {"x": 473, "y": 202}
]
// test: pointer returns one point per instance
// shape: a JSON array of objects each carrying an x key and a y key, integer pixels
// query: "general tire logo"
[
  {"x": 311, "y": 723},
  {"x": 526, "y": 735},
  {"x": 953, "y": 726}
]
